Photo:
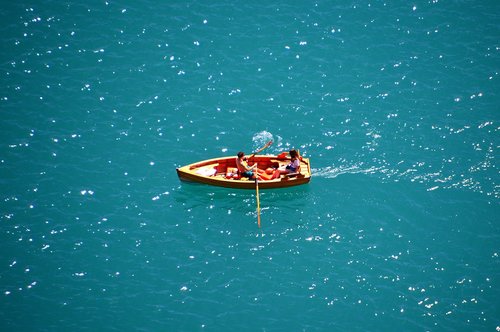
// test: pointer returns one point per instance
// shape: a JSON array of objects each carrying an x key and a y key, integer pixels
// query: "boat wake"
[{"x": 331, "y": 172}]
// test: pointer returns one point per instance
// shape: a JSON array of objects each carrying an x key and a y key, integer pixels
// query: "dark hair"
[
  {"x": 240, "y": 154},
  {"x": 293, "y": 153}
]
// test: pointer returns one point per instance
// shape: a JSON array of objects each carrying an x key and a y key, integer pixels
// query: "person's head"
[
  {"x": 240, "y": 155},
  {"x": 293, "y": 153}
]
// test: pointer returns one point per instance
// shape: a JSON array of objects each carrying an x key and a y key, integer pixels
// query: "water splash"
[
  {"x": 279, "y": 145},
  {"x": 261, "y": 138}
]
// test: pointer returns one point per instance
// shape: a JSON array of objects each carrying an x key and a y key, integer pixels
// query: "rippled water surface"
[{"x": 395, "y": 104}]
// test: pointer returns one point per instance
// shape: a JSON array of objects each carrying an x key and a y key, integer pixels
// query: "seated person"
[
  {"x": 243, "y": 168},
  {"x": 294, "y": 165}
]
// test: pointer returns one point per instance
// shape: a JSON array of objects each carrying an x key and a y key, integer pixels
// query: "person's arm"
[
  {"x": 245, "y": 166},
  {"x": 251, "y": 168}
]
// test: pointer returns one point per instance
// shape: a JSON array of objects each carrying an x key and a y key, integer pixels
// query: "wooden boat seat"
[
  {"x": 209, "y": 170},
  {"x": 296, "y": 174}
]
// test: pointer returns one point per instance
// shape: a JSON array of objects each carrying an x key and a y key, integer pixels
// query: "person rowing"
[{"x": 243, "y": 168}]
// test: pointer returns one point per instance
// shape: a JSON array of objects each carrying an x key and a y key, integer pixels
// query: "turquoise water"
[{"x": 395, "y": 103}]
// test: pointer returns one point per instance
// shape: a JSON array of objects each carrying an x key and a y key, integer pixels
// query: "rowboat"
[{"x": 222, "y": 172}]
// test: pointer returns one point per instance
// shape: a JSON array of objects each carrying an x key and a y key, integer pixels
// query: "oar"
[
  {"x": 257, "y": 194},
  {"x": 268, "y": 144}
]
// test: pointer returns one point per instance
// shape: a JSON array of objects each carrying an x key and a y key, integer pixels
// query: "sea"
[{"x": 396, "y": 103}]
